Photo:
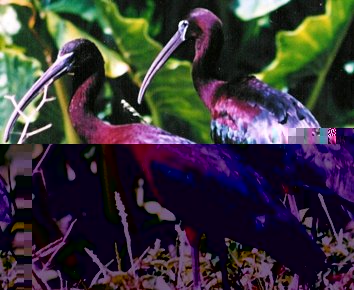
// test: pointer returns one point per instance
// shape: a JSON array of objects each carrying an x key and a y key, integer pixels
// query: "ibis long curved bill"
[
  {"x": 244, "y": 109},
  {"x": 59, "y": 67},
  {"x": 178, "y": 38}
]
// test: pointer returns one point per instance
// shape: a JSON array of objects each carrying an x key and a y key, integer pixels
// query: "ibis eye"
[
  {"x": 182, "y": 28},
  {"x": 183, "y": 25}
]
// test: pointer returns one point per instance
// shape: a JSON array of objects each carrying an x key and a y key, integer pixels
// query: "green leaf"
[
  {"x": 84, "y": 8},
  {"x": 15, "y": 66},
  {"x": 250, "y": 9},
  {"x": 130, "y": 34},
  {"x": 147, "y": 13},
  {"x": 311, "y": 48},
  {"x": 63, "y": 31},
  {"x": 174, "y": 102},
  {"x": 172, "y": 99}
]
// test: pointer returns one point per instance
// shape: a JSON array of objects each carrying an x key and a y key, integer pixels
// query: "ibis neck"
[
  {"x": 205, "y": 67},
  {"x": 81, "y": 109}
]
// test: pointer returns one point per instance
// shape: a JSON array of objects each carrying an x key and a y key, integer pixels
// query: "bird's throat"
[
  {"x": 205, "y": 67},
  {"x": 81, "y": 107}
]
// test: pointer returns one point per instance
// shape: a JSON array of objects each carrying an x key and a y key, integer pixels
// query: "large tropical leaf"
[
  {"x": 173, "y": 102},
  {"x": 311, "y": 48},
  {"x": 84, "y": 8},
  {"x": 17, "y": 74}
]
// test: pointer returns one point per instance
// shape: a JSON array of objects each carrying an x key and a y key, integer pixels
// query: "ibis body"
[
  {"x": 245, "y": 110},
  {"x": 82, "y": 58},
  {"x": 212, "y": 191}
]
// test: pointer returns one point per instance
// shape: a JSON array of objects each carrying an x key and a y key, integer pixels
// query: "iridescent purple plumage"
[
  {"x": 213, "y": 191},
  {"x": 82, "y": 58},
  {"x": 242, "y": 111}
]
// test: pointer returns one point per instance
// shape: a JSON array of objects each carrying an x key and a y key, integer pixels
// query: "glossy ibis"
[
  {"x": 81, "y": 58},
  {"x": 242, "y": 111},
  {"x": 306, "y": 170},
  {"x": 212, "y": 191}
]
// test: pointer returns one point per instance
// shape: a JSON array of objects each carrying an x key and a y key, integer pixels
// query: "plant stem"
[
  {"x": 70, "y": 134},
  {"x": 323, "y": 73}
]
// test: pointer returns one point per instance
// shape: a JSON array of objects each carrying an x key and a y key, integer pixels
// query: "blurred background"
[{"x": 301, "y": 46}]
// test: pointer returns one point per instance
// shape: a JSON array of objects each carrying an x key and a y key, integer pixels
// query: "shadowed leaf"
[
  {"x": 63, "y": 31},
  {"x": 83, "y": 8},
  {"x": 311, "y": 48}
]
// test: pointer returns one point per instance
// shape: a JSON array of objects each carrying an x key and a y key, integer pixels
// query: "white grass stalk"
[
  {"x": 328, "y": 216},
  {"x": 59, "y": 246},
  {"x": 47, "y": 250},
  {"x": 123, "y": 215},
  {"x": 117, "y": 257},
  {"x": 60, "y": 279},
  {"x": 41, "y": 160},
  {"x": 182, "y": 242},
  {"x": 293, "y": 206},
  {"x": 103, "y": 268}
]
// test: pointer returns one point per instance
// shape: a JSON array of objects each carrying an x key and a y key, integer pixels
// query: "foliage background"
[{"x": 313, "y": 58}]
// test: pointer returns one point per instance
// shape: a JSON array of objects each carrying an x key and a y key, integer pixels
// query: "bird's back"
[
  {"x": 133, "y": 134},
  {"x": 208, "y": 188},
  {"x": 249, "y": 111}
]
